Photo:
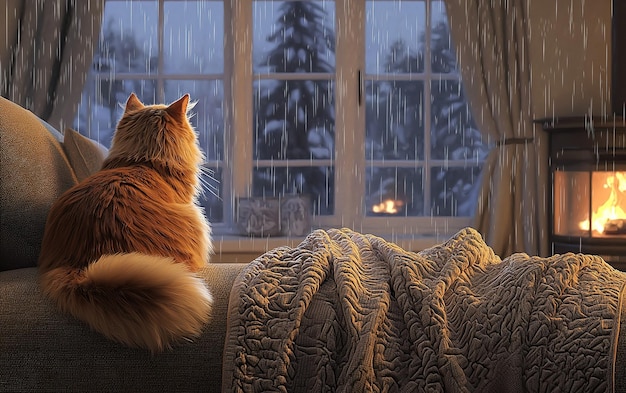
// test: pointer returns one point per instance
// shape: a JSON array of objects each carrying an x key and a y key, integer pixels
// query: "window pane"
[
  {"x": 318, "y": 182},
  {"x": 443, "y": 58},
  {"x": 394, "y": 120},
  {"x": 394, "y": 192},
  {"x": 127, "y": 60},
  {"x": 454, "y": 191},
  {"x": 294, "y": 36},
  {"x": 207, "y": 114},
  {"x": 211, "y": 196},
  {"x": 128, "y": 39},
  {"x": 454, "y": 135},
  {"x": 294, "y": 119},
  {"x": 394, "y": 36},
  {"x": 193, "y": 37},
  {"x": 102, "y": 104}
]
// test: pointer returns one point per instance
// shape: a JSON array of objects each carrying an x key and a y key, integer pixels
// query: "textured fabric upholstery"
[
  {"x": 42, "y": 350},
  {"x": 34, "y": 172}
]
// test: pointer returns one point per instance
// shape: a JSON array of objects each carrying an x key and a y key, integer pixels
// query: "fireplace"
[{"x": 587, "y": 207}]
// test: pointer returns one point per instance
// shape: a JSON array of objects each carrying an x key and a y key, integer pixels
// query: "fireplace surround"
[{"x": 587, "y": 184}]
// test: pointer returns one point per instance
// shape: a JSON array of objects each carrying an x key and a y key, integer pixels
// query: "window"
[{"x": 357, "y": 104}]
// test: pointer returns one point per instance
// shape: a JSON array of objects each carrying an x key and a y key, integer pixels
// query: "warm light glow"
[
  {"x": 613, "y": 208},
  {"x": 388, "y": 206}
]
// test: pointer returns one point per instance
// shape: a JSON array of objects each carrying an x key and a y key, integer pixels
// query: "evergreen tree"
[{"x": 293, "y": 117}]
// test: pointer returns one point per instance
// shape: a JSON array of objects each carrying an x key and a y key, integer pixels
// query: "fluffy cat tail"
[{"x": 139, "y": 300}]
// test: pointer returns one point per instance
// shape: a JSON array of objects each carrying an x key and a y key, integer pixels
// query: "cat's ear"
[
  {"x": 178, "y": 109},
  {"x": 133, "y": 103}
]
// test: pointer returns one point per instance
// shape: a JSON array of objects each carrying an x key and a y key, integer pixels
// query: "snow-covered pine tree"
[{"x": 294, "y": 116}]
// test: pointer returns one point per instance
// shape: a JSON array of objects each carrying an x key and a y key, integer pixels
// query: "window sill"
[{"x": 244, "y": 249}]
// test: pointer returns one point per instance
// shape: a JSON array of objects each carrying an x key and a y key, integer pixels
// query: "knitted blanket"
[{"x": 348, "y": 312}]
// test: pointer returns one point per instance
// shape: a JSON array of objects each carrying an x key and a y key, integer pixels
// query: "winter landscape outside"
[{"x": 423, "y": 152}]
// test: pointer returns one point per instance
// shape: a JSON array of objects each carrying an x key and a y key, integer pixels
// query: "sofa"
[
  {"x": 341, "y": 311},
  {"x": 43, "y": 350}
]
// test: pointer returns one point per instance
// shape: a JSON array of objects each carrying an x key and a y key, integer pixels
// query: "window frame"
[
  {"x": 349, "y": 159},
  {"x": 349, "y": 80}
]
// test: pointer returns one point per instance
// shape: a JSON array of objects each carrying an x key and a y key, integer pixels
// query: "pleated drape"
[
  {"x": 48, "y": 54},
  {"x": 491, "y": 37}
]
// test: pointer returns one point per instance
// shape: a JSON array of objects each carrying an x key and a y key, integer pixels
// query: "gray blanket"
[{"x": 348, "y": 312}]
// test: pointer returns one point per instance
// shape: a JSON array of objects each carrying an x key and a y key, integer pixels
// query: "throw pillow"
[{"x": 85, "y": 155}]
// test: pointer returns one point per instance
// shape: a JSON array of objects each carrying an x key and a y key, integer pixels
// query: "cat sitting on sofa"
[{"x": 121, "y": 248}]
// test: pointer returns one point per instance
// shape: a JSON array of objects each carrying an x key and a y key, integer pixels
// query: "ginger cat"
[{"x": 120, "y": 249}]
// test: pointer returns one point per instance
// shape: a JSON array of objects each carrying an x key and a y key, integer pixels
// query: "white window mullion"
[
  {"x": 350, "y": 119},
  {"x": 241, "y": 122},
  {"x": 228, "y": 169},
  {"x": 426, "y": 176},
  {"x": 160, "y": 91}
]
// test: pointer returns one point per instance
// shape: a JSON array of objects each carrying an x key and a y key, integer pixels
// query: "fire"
[
  {"x": 388, "y": 206},
  {"x": 612, "y": 210}
]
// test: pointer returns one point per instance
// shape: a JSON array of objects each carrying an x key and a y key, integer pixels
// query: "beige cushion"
[
  {"x": 85, "y": 155},
  {"x": 34, "y": 172}
]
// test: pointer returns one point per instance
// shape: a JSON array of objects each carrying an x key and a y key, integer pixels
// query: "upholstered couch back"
[{"x": 37, "y": 164}]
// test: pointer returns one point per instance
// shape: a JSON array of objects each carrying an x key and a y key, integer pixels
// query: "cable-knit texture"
[{"x": 348, "y": 312}]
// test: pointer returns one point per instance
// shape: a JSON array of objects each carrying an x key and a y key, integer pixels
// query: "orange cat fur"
[{"x": 120, "y": 249}]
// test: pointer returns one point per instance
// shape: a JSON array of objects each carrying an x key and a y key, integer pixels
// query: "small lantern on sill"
[
  {"x": 295, "y": 214},
  {"x": 258, "y": 216}
]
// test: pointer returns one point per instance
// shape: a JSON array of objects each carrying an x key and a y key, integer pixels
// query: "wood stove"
[{"x": 588, "y": 187}]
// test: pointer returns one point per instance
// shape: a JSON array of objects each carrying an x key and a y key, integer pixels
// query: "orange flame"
[
  {"x": 613, "y": 208},
  {"x": 388, "y": 206}
]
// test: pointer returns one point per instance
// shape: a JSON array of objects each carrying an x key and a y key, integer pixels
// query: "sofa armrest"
[{"x": 44, "y": 350}]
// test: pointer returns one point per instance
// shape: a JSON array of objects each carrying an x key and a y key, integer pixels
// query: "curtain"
[
  {"x": 49, "y": 49},
  {"x": 491, "y": 37}
]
